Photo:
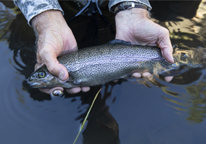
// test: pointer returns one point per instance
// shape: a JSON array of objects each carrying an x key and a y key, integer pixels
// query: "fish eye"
[{"x": 41, "y": 74}]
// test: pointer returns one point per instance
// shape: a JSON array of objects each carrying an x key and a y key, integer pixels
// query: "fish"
[{"x": 117, "y": 59}]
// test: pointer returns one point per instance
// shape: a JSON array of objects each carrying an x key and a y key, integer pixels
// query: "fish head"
[{"x": 41, "y": 78}]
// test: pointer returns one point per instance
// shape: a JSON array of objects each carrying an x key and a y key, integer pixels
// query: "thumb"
[
  {"x": 49, "y": 58},
  {"x": 165, "y": 45}
]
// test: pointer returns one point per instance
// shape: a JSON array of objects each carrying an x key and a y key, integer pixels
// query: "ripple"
[{"x": 21, "y": 116}]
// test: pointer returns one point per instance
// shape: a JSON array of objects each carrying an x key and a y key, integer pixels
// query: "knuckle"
[
  {"x": 52, "y": 67},
  {"x": 42, "y": 51},
  {"x": 38, "y": 65},
  {"x": 165, "y": 31}
]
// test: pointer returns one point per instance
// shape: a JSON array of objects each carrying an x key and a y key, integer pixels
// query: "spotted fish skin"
[{"x": 100, "y": 64}]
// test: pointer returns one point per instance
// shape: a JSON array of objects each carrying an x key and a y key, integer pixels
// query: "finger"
[
  {"x": 136, "y": 75},
  {"x": 49, "y": 58},
  {"x": 49, "y": 91},
  {"x": 167, "y": 54},
  {"x": 146, "y": 74},
  {"x": 165, "y": 44},
  {"x": 85, "y": 89},
  {"x": 73, "y": 90},
  {"x": 37, "y": 66},
  {"x": 168, "y": 78}
]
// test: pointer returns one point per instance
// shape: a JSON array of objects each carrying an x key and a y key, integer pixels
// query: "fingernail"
[
  {"x": 146, "y": 74},
  {"x": 62, "y": 75},
  {"x": 136, "y": 75},
  {"x": 168, "y": 78},
  {"x": 73, "y": 90},
  {"x": 172, "y": 59},
  {"x": 85, "y": 89}
]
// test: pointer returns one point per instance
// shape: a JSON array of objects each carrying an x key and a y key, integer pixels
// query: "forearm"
[{"x": 31, "y": 8}]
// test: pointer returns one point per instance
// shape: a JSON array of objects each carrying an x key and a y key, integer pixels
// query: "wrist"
[
  {"x": 136, "y": 13},
  {"x": 51, "y": 26},
  {"x": 127, "y": 20},
  {"x": 47, "y": 20},
  {"x": 129, "y": 17},
  {"x": 129, "y": 5}
]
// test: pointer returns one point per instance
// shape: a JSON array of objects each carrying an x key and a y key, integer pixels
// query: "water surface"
[{"x": 147, "y": 111}]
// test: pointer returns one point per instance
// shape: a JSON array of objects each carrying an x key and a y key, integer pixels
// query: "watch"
[{"x": 128, "y": 5}]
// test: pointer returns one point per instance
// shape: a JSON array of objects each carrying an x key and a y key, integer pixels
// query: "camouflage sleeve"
[
  {"x": 31, "y": 8},
  {"x": 114, "y": 2}
]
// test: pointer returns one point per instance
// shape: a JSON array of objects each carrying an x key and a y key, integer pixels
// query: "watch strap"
[{"x": 128, "y": 5}]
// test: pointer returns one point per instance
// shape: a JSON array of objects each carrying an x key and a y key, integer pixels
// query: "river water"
[{"x": 146, "y": 111}]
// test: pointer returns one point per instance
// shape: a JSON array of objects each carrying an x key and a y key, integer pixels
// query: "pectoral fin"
[
  {"x": 174, "y": 72},
  {"x": 72, "y": 83}
]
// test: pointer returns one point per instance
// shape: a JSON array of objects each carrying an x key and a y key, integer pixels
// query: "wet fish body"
[{"x": 100, "y": 64}]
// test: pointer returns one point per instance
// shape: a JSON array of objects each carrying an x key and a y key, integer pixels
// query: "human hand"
[
  {"x": 54, "y": 38},
  {"x": 134, "y": 25}
]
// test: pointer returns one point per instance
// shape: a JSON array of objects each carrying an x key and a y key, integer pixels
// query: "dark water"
[{"x": 140, "y": 112}]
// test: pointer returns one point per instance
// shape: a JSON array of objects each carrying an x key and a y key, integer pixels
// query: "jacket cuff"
[
  {"x": 114, "y": 2},
  {"x": 31, "y": 8}
]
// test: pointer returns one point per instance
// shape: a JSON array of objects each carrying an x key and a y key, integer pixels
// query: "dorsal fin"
[{"x": 118, "y": 41}]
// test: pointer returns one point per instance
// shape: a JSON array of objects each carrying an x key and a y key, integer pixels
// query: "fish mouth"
[
  {"x": 45, "y": 83},
  {"x": 35, "y": 84}
]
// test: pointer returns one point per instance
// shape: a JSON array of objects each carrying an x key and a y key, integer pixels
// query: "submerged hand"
[
  {"x": 134, "y": 25},
  {"x": 54, "y": 38}
]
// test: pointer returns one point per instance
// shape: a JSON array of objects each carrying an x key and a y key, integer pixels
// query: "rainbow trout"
[{"x": 117, "y": 59}]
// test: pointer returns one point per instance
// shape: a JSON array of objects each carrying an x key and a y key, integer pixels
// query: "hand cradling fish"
[{"x": 117, "y": 59}]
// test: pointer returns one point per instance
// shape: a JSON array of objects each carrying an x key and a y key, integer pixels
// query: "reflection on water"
[
  {"x": 189, "y": 98},
  {"x": 6, "y": 18},
  {"x": 143, "y": 111},
  {"x": 192, "y": 101}
]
